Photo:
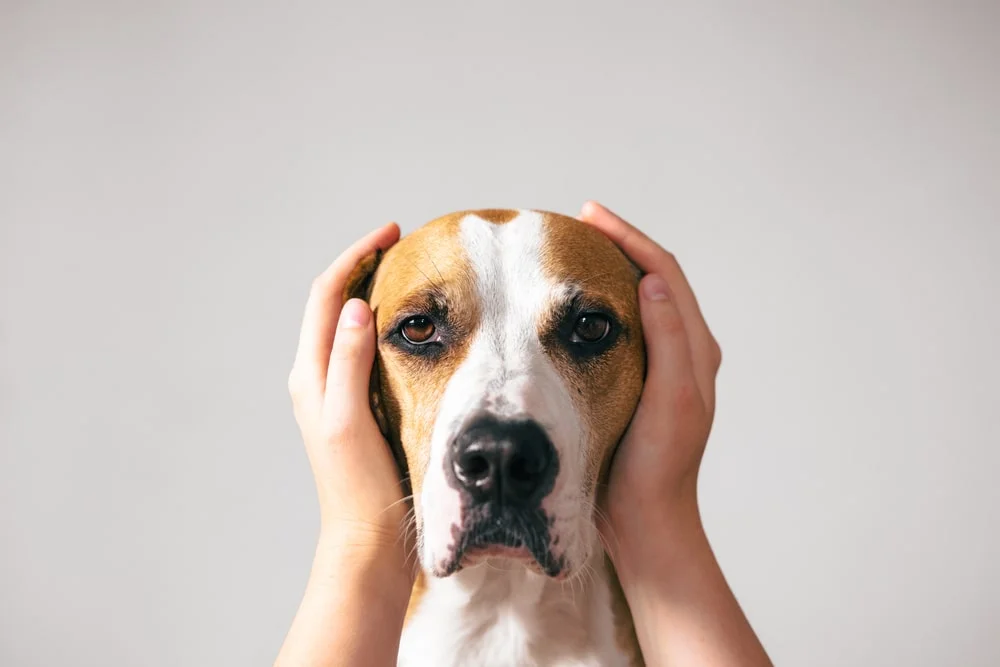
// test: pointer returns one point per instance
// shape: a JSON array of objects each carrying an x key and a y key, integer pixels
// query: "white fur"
[
  {"x": 500, "y": 613},
  {"x": 492, "y": 617}
]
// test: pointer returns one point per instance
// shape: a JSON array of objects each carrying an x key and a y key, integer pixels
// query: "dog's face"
[{"x": 510, "y": 363}]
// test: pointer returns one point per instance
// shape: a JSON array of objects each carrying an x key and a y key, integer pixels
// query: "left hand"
[{"x": 656, "y": 465}]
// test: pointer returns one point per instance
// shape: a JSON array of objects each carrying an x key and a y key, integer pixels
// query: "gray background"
[{"x": 172, "y": 175}]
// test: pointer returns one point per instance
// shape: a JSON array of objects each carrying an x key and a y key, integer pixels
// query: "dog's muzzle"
[{"x": 503, "y": 469}]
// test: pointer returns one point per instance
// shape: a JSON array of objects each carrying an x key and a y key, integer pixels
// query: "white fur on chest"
[{"x": 499, "y": 618}]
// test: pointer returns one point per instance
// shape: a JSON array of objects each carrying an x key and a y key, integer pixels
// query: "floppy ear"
[{"x": 359, "y": 283}]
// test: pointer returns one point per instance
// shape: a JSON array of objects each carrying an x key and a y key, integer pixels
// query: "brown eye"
[
  {"x": 591, "y": 327},
  {"x": 418, "y": 330}
]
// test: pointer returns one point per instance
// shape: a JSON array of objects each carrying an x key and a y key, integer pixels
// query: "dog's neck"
[{"x": 485, "y": 615}]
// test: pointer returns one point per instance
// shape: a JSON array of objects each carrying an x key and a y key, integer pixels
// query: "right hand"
[{"x": 357, "y": 480}]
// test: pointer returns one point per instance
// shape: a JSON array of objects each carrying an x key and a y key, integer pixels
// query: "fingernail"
[
  {"x": 354, "y": 315},
  {"x": 655, "y": 288}
]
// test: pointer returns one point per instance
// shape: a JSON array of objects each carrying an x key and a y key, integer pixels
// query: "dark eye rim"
[{"x": 581, "y": 350}]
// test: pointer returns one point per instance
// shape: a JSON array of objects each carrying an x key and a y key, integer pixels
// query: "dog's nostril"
[{"x": 474, "y": 466}]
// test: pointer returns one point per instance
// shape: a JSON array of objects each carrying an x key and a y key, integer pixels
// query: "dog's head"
[{"x": 510, "y": 361}]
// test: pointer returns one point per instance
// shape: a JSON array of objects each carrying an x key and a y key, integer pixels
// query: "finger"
[
  {"x": 648, "y": 254},
  {"x": 350, "y": 367},
  {"x": 323, "y": 308},
  {"x": 670, "y": 378},
  {"x": 652, "y": 258}
]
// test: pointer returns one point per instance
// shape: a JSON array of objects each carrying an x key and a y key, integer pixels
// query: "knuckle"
[
  {"x": 670, "y": 259},
  {"x": 716, "y": 354},
  {"x": 299, "y": 388},
  {"x": 294, "y": 384},
  {"x": 322, "y": 283}
]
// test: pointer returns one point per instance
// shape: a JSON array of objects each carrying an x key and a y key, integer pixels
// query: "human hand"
[
  {"x": 353, "y": 608},
  {"x": 655, "y": 469},
  {"x": 360, "y": 495},
  {"x": 682, "y": 607}
]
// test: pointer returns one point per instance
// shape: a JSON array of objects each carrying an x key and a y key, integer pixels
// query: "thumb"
[
  {"x": 349, "y": 372},
  {"x": 669, "y": 367}
]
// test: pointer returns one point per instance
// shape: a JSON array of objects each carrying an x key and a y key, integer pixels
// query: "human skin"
[
  {"x": 683, "y": 609},
  {"x": 353, "y": 608}
]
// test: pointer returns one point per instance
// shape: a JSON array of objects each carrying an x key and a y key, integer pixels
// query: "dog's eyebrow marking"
[
  {"x": 595, "y": 276},
  {"x": 430, "y": 301}
]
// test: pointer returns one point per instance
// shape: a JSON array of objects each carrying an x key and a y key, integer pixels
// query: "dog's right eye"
[{"x": 418, "y": 330}]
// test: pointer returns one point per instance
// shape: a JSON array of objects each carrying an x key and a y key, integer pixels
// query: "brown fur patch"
[{"x": 498, "y": 216}]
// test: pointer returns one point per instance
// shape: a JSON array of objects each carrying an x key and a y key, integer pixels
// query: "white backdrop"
[{"x": 172, "y": 175}]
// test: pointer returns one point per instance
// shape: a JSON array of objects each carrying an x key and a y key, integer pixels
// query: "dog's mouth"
[{"x": 516, "y": 536}]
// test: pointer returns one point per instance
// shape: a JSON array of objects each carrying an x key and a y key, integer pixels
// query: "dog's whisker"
[
  {"x": 434, "y": 264},
  {"x": 433, "y": 284},
  {"x": 588, "y": 279},
  {"x": 393, "y": 504}
]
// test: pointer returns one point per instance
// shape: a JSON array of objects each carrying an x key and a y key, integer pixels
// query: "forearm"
[
  {"x": 684, "y": 611},
  {"x": 352, "y": 611}
]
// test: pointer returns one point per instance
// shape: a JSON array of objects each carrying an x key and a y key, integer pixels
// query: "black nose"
[{"x": 512, "y": 462}]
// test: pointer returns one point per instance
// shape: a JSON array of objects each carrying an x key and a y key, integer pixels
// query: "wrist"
[
  {"x": 372, "y": 561},
  {"x": 354, "y": 605},
  {"x": 662, "y": 546}
]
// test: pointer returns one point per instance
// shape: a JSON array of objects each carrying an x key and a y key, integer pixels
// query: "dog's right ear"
[{"x": 359, "y": 282}]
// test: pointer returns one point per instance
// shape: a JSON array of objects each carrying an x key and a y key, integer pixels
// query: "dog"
[{"x": 509, "y": 363}]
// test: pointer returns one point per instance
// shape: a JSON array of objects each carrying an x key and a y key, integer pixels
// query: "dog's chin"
[
  {"x": 500, "y": 547},
  {"x": 501, "y": 557}
]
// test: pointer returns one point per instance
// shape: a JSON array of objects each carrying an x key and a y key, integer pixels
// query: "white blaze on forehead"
[
  {"x": 516, "y": 297},
  {"x": 506, "y": 259},
  {"x": 506, "y": 370}
]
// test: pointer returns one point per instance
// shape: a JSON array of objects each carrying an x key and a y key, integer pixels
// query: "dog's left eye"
[
  {"x": 418, "y": 330},
  {"x": 591, "y": 328}
]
